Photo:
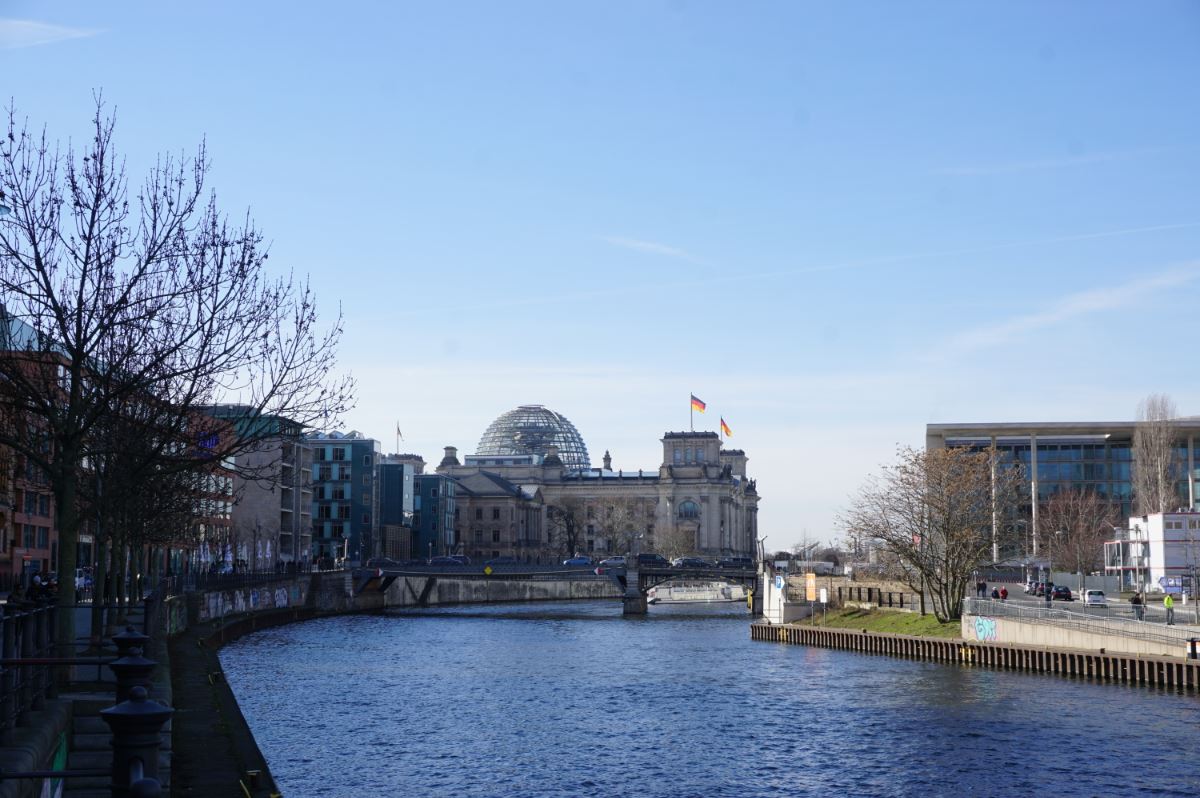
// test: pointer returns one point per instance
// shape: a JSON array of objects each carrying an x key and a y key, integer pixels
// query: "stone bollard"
[
  {"x": 132, "y": 670},
  {"x": 136, "y": 725},
  {"x": 129, "y": 639}
]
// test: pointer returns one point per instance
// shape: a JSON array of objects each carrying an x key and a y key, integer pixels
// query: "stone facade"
[{"x": 699, "y": 500}]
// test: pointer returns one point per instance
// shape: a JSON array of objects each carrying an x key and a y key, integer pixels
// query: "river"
[{"x": 573, "y": 699}]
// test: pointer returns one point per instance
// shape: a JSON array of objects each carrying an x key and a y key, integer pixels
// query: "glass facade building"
[
  {"x": 1093, "y": 456},
  {"x": 533, "y": 430}
]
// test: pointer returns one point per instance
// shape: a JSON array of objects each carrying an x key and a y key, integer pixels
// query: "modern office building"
[
  {"x": 394, "y": 515},
  {"x": 698, "y": 499},
  {"x": 1086, "y": 455},
  {"x": 434, "y": 510},
  {"x": 344, "y": 496}
]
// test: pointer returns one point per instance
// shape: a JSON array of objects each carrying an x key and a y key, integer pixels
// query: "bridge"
[{"x": 634, "y": 583}]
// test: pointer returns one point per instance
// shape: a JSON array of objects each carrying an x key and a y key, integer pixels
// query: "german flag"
[
  {"x": 725, "y": 430},
  {"x": 697, "y": 404}
]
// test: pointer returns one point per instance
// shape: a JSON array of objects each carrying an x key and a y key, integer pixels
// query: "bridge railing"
[{"x": 1095, "y": 624}]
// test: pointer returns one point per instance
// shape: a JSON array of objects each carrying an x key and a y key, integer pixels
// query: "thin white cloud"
[
  {"x": 17, "y": 33},
  {"x": 1045, "y": 164},
  {"x": 1070, "y": 307},
  {"x": 652, "y": 247}
]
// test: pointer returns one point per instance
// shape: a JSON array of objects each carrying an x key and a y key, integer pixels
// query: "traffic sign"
[{"x": 487, "y": 570}]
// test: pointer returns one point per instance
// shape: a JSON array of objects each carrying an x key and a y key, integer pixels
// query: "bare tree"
[
  {"x": 565, "y": 520},
  {"x": 676, "y": 540},
  {"x": 624, "y": 521},
  {"x": 1076, "y": 524},
  {"x": 110, "y": 297},
  {"x": 932, "y": 511},
  {"x": 1154, "y": 460}
]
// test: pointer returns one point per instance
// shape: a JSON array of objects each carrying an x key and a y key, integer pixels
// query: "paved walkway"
[{"x": 213, "y": 748}]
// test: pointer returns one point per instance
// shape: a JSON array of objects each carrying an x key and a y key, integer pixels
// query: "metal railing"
[
  {"x": 26, "y": 637},
  {"x": 1095, "y": 624},
  {"x": 201, "y": 581}
]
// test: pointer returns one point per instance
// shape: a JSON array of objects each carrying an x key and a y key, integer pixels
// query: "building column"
[
  {"x": 1033, "y": 487},
  {"x": 1191, "y": 482},
  {"x": 995, "y": 512}
]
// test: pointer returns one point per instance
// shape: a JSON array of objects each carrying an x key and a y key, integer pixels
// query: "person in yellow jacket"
[{"x": 1169, "y": 603}]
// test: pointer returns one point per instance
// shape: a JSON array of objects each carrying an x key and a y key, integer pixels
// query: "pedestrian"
[
  {"x": 995, "y": 593},
  {"x": 1136, "y": 604},
  {"x": 1169, "y": 603},
  {"x": 1004, "y": 594}
]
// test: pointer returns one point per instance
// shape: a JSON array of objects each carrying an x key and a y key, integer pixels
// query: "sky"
[{"x": 833, "y": 222}]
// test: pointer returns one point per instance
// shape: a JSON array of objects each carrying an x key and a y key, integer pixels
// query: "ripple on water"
[{"x": 574, "y": 700}]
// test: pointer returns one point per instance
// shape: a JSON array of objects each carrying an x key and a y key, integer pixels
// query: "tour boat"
[{"x": 695, "y": 593}]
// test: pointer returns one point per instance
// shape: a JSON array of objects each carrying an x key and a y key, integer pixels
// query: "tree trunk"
[
  {"x": 66, "y": 498},
  {"x": 99, "y": 591}
]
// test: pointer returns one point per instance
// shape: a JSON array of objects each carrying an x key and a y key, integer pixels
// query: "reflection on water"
[{"x": 573, "y": 699}]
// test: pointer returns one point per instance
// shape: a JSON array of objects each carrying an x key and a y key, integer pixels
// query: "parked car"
[
  {"x": 653, "y": 561},
  {"x": 450, "y": 559},
  {"x": 1061, "y": 593},
  {"x": 1093, "y": 598},
  {"x": 1039, "y": 588},
  {"x": 735, "y": 562},
  {"x": 613, "y": 562},
  {"x": 579, "y": 560},
  {"x": 692, "y": 562}
]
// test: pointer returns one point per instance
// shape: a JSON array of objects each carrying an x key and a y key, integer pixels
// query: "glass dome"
[{"x": 533, "y": 429}]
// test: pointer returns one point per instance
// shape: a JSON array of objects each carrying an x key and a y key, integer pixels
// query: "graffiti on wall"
[
  {"x": 221, "y": 603},
  {"x": 985, "y": 629}
]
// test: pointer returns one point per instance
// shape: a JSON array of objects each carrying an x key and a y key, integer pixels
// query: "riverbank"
[
  {"x": 1098, "y": 665},
  {"x": 904, "y": 623}
]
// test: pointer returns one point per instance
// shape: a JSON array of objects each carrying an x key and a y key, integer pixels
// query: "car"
[
  {"x": 1039, "y": 588},
  {"x": 578, "y": 560},
  {"x": 653, "y": 561},
  {"x": 613, "y": 562},
  {"x": 692, "y": 562},
  {"x": 1061, "y": 593},
  {"x": 744, "y": 563},
  {"x": 1030, "y": 587},
  {"x": 1093, "y": 598},
  {"x": 450, "y": 559}
]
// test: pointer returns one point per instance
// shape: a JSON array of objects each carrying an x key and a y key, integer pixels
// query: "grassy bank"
[{"x": 903, "y": 623}]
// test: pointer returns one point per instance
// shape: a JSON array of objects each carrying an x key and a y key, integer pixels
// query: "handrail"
[{"x": 1125, "y": 627}]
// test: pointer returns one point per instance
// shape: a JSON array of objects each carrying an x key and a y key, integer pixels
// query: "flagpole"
[{"x": 691, "y": 414}]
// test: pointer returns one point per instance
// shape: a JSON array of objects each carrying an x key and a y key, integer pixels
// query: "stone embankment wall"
[
  {"x": 408, "y": 591},
  {"x": 843, "y": 591},
  {"x": 986, "y": 629},
  {"x": 1157, "y": 671}
]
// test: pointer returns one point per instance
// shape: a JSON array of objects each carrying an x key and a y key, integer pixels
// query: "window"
[
  {"x": 689, "y": 509},
  {"x": 591, "y": 512},
  {"x": 338, "y": 492},
  {"x": 678, "y": 456},
  {"x": 325, "y": 473},
  {"x": 456, "y": 514},
  {"x": 591, "y": 545},
  {"x": 324, "y": 511},
  {"x": 339, "y": 453},
  {"x": 366, "y": 480},
  {"x": 366, "y": 518},
  {"x": 495, "y": 513},
  {"x": 366, "y": 459},
  {"x": 687, "y": 455},
  {"x": 478, "y": 513},
  {"x": 344, "y": 512},
  {"x": 366, "y": 498},
  {"x": 30, "y": 503},
  {"x": 699, "y": 455},
  {"x": 28, "y": 529},
  {"x": 43, "y": 537},
  {"x": 495, "y": 535},
  {"x": 478, "y": 535},
  {"x": 320, "y": 453}
]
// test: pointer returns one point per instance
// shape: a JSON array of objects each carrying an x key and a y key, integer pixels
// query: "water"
[{"x": 574, "y": 700}]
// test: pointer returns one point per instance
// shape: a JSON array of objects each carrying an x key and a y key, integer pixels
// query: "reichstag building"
[{"x": 530, "y": 491}]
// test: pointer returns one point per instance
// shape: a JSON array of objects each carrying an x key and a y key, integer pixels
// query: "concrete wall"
[
  {"x": 987, "y": 629},
  {"x": 211, "y": 605},
  {"x": 405, "y": 592}
]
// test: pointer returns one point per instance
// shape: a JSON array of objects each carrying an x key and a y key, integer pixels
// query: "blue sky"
[{"x": 833, "y": 222}]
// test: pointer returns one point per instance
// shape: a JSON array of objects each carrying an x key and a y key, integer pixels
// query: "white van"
[{"x": 1093, "y": 598}]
